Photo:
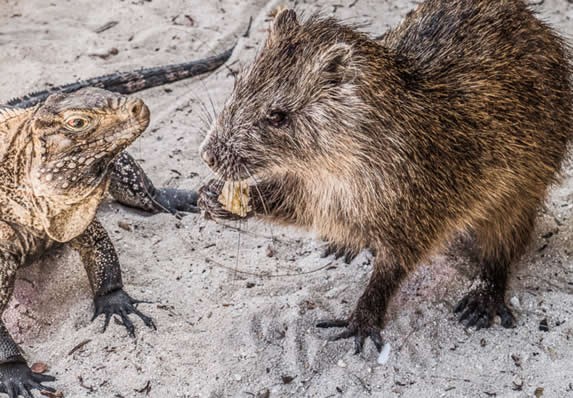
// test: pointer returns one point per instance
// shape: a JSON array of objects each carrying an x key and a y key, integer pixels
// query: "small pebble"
[
  {"x": 39, "y": 367},
  {"x": 124, "y": 225},
  {"x": 514, "y": 301},
  {"x": 341, "y": 364},
  {"x": 543, "y": 325},
  {"x": 384, "y": 354},
  {"x": 287, "y": 379},
  {"x": 238, "y": 377},
  {"x": 264, "y": 393},
  {"x": 517, "y": 383},
  {"x": 516, "y": 360}
]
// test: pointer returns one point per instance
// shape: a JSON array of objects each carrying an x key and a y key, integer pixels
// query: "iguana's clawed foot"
[
  {"x": 120, "y": 303},
  {"x": 338, "y": 252},
  {"x": 18, "y": 380},
  {"x": 176, "y": 201},
  {"x": 359, "y": 330},
  {"x": 480, "y": 307}
]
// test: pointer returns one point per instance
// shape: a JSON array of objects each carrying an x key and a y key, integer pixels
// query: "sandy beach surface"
[{"x": 236, "y": 310}]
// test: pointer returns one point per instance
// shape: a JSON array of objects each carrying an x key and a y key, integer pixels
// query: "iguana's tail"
[{"x": 131, "y": 82}]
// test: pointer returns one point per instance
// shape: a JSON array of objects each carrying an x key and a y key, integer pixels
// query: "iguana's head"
[{"x": 76, "y": 137}]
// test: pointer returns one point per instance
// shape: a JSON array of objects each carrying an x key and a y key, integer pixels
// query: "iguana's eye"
[{"x": 77, "y": 123}]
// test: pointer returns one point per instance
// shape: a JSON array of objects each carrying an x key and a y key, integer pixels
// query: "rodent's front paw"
[{"x": 209, "y": 201}]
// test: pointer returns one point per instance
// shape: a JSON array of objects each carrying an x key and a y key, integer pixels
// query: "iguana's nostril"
[{"x": 136, "y": 107}]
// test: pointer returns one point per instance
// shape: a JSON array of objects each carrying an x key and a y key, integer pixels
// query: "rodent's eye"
[
  {"x": 77, "y": 123},
  {"x": 277, "y": 118}
]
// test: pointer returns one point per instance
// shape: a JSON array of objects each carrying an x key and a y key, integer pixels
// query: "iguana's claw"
[
  {"x": 17, "y": 379},
  {"x": 120, "y": 303}
]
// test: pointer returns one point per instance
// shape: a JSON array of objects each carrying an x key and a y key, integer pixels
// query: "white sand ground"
[{"x": 247, "y": 330}]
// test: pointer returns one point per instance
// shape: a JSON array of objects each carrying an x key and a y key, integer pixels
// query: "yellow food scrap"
[
  {"x": 277, "y": 10},
  {"x": 235, "y": 197}
]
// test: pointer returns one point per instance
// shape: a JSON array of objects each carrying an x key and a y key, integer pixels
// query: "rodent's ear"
[
  {"x": 285, "y": 21},
  {"x": 335, "y": 60}
]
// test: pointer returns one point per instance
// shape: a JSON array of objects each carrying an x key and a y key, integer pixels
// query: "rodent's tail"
[{"x": 131, "y": 82}]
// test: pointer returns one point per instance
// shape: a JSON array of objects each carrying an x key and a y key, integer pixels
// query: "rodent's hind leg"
[
  {"x": 479, "y": 307},
  {"x": 130, "y": 186},
  {"x": 497, "y": 245},
  {"x": 367, "y": 319}
]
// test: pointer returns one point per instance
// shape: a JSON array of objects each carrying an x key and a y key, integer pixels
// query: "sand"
[{"x": 242, "y": 325}]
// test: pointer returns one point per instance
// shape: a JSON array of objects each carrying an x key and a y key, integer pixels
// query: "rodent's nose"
[{"x": 209, "y": 158}]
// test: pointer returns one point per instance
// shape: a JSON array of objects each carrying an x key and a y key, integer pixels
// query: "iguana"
[
  {"x": 129, "y": 184},
  {"x": 61, "y": 150},
  {"x": 54, "y": 160}
]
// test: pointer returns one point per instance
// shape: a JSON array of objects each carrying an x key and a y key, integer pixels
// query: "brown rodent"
[{"x": 457, "y": 121}]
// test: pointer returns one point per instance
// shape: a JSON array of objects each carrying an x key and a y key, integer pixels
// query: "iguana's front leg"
[
  {"x": 16, "y": 378},
  {"x": 131, "y": 187},
  {"x": 104, "y": 273}
]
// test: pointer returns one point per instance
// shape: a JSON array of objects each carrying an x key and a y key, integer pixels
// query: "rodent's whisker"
[{"x": 210, "y": 100}]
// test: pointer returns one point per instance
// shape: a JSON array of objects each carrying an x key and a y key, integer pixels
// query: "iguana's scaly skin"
[{"x": 54, "y": 161}]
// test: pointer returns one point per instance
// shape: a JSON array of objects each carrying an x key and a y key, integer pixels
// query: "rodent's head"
[
  {"x": 293, "y": 105},
  {"x": 76, "y": 136}
]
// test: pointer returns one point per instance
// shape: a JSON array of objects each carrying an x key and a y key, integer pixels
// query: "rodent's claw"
[
  {"x": 120, "y": 303},
  {"x": 354, "y": 329},
  {"x": 480, "y": 307},
  {"x": 209, "y": 201},
  {"x": 338, "y": 251},
  {"x": 17, "y": 379}
]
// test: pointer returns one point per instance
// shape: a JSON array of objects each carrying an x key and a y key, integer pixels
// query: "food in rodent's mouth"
[{"x": 235, "y": 197}]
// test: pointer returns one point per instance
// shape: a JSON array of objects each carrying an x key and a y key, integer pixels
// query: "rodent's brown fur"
[{"x": 455, "y": 121}]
